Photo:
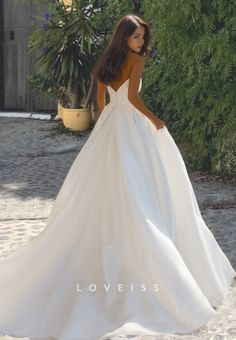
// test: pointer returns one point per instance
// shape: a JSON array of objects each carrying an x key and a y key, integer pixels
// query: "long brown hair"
[{"x": 108, "y": 65}]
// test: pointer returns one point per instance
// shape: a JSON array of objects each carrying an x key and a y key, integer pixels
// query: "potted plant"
[{"x": 66, "y": 45}]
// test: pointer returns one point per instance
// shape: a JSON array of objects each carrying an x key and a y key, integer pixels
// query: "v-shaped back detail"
[{"x": 119, "y": 87}]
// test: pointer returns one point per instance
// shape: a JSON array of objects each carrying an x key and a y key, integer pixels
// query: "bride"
[{"x": 126, "y": 218}]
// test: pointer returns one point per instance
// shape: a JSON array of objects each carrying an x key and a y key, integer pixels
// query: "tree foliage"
[
  {"x": 68, "y": 44},
  {"x": 193, "y": 79}
]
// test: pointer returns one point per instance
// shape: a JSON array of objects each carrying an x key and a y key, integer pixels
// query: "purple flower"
[
  {"x": 153, "y": 53},
  {"x": 136, "y": 2},
  {"x": 44, "y": 26},
  {"x": 47, "y": 16}
]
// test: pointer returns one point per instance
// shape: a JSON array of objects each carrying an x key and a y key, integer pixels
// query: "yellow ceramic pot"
[
  {"x": 59, "y": 110},
  {"x": 77, "y": 119}
]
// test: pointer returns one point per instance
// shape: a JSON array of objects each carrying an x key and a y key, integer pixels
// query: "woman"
[
  {"x": 125, "y": 251},
  {"x": 124, "y": 61}
]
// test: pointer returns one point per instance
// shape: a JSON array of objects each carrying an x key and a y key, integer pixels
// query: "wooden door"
[{"x": 16, "y": 22}]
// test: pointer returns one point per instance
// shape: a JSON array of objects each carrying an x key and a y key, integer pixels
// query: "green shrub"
[{"x": 193, "y": 78}]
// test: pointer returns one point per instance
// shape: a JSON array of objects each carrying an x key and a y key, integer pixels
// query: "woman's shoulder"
[{"x": 136, "y": 56}]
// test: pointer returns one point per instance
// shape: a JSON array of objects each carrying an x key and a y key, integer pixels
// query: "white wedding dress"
[{"x": 125, "y": 250}]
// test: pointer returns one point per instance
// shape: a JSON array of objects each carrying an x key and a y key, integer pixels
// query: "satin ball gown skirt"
[{"x": 125, "y": 250}]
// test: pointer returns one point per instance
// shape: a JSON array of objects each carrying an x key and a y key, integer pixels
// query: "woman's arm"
[
  {"x": 133, "y": 95},
  {"x": 101, "y": 95}
]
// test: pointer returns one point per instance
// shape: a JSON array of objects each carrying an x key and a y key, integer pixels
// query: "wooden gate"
[{"x": 16, "y": 22}]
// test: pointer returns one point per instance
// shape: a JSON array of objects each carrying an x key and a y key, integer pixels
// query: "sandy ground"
[{"x": 34, "y": 160}]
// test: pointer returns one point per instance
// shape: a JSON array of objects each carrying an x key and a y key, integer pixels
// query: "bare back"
[
  {"x": 132, "y": 70},
  {"x": 124, "y": 73}
]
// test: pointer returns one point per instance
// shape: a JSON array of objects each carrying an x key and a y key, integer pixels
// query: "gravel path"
[{"x": 34, "y": 160}]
